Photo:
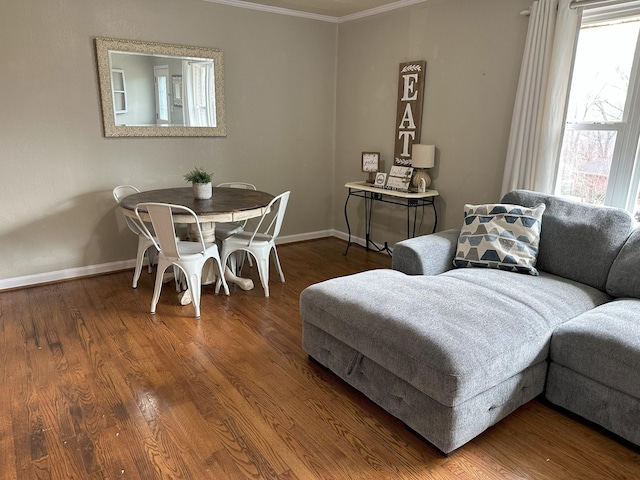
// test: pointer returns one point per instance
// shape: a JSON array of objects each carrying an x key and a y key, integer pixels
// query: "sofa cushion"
[
  {"x": 500, "y": 236},
  {"x": 451, "y": 336},
  {"x": 578, "y": 241},
  {"x": 624, "y": 276},
  {"x": 604, "y": 345}
]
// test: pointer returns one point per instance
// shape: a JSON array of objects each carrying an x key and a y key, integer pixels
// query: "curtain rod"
[
  {"x": 588, "y": 3},
  {"x": 584, "y": 3}
]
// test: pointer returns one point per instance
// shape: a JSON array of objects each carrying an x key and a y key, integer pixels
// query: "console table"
[{"x": 371, "y": 194}]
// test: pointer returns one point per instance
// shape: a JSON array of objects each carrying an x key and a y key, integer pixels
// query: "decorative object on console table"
[
  {"x": 201, "y": 181},
  {"x": 370, "y": 164},
  {"x": 399, "y": 178},
  {"x": 381, "y": 179},
  {"x": 423, "y": 157}
]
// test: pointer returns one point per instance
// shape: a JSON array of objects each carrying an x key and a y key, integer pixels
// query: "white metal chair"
[
  {"x": 189, "y": 257},
  {"x": 259, "y": 243},
  {"x": 223, "y": 230},
  {"x": 145, "y": 243}
]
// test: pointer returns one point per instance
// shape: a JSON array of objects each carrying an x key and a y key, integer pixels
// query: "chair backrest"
[
  {"x": 246, "y": 186},
  {"x": 242, "y": 185},
  {"x": 122, "y": 191},
  {"x": 161, "y": 215},
  {"x": 119, "y": 193},
  {"x": 279, "y": 205}
]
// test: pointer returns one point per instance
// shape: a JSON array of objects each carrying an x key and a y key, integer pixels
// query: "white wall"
[
  {"x": 473, "y": 51},
  {"x": 58, "y": 169},
  {"x": 304, "y": 98}
]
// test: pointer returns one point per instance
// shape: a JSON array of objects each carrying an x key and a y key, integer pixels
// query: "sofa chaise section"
[
  {"x": 451, "y": 351},
  {"x": 451, "y": 354}
]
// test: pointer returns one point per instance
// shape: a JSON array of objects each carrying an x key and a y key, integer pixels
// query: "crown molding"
[
  {"x": 378, "y": 10},
  {"x": 316, "y": 16}
]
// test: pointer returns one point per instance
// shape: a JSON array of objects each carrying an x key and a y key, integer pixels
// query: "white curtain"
[
  {"x": 189, "y": 101},
  {"x": 538, "y": 114},
  {"x": 199, "y": 94}
]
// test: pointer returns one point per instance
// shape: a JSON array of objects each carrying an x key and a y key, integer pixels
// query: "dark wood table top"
[{"x": 226, "y": 204}]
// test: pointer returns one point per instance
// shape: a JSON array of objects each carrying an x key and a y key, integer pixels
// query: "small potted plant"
[{"x": 201, "y": 181}]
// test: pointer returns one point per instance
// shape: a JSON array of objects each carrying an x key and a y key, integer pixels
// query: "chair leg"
[
  {"x": 224, "y": 257},
  {"x": 157, "y": 288},
  {"x": 150, "y": 257},
  {"x": 232, "y": 259},
  {"x": 177, "y": 277},
  {"x": 142, "y": 247},
  {"x": 221, "y": 280},
  {"x": 275, "y": 254},
  {"x": 194, "y": 284},
  {"x": 239, "y": 259},
  {"x": 263, "y": 270}
]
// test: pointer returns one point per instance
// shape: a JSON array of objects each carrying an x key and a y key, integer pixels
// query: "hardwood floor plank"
[
  {"x": 9, "y": 342},
  {"x": 95, "y": 387}
]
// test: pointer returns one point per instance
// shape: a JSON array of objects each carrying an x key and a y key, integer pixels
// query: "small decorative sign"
[
  {"x": 370, "y": 161},
  {"x": 380, "y": 180},
  {"x": 370, "y": 164},
  {"x": 409, "y": 114},
  {"x": 399, "y": 178}
]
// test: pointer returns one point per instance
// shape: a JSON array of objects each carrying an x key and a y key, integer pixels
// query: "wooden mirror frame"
[{"x": 105, "y": 45}]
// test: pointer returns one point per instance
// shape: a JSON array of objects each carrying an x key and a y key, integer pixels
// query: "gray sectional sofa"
[{"x": 451, "y": 351}]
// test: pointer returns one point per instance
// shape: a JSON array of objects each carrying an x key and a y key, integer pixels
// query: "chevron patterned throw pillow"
[{"x": 500, "y": 236}]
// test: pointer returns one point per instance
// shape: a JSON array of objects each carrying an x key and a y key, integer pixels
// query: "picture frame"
[
  {"x": 370, "y": 162},
  {"x": 176, "y": 85},
  {"x": 381, "y": 180},
  {"x": 399, "y": 178}
]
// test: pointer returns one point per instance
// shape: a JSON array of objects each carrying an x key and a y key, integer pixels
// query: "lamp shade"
[{"x": 423, "y": 156}]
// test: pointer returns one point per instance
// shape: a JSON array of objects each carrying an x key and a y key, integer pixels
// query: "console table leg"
[
  {"x": 346, "y": 219},
  {"x": 368, "y": 206},
  {"x": 435, "y": 215}
]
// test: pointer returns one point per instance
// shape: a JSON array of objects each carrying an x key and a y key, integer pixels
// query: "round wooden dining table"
[{"x": 225, "y": 205}]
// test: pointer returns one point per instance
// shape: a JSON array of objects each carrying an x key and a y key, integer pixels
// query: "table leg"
[
  {"x": 368, "y": 211},
  {"x": 208, "y": 230},
  {"x": 243, "y": 283},
  {"x": 346, "y": 218},
  {"x": 209, "y": 272},
  {"x": 435, "y": 215}
]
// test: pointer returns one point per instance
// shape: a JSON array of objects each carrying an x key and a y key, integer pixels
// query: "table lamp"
[{"x": 423, "y": 157}]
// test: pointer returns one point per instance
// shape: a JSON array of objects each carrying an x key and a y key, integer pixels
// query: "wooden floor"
[{"x": 94, "y": 387}]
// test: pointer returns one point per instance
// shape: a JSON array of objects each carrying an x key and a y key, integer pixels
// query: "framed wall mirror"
[{"x": 170, "y": 90}]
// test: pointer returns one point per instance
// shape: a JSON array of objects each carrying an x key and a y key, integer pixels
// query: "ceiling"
[{"x": 330, "y": 10}]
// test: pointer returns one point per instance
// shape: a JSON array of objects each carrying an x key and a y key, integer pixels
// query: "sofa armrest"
[{"x": 426, "y": 255}]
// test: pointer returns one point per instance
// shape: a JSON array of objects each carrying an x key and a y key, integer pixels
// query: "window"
[
  {"x": 200, "y": 99},
  {"x": 599, "y": 154}
]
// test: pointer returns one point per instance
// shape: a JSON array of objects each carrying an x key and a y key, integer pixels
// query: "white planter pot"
[{"x": 202, "y": 191}]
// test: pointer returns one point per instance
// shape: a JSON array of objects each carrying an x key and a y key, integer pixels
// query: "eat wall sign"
[{"x": 409, "y": 115}]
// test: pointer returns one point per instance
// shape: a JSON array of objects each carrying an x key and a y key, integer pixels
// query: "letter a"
[{"x": 407, "y": 117}]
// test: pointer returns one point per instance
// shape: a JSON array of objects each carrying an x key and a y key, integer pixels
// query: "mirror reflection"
[{"x": 151, "y": 89}]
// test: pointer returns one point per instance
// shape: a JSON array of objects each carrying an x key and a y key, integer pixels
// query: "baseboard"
[
  {"x": 78, "y": 272},
  {"x": 67, "y": 274},
  {"x": 302, "y": 237}
]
